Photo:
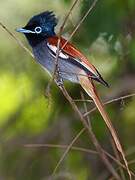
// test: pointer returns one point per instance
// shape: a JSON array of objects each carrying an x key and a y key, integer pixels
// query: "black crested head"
[{"x": 40, "y": 27}]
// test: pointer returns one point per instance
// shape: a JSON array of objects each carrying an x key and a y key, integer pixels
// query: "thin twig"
[
  {"x": 80, "y": 22},
  {"x": 16, "y": 39},
  {"x": 67, "y": 150},
  {"x": 77, "y": 148},
  {"x": 132, "y": 161},
  {"x": 110, "y": 101},
  {"x": 61, "y": 146},
  {"x": 118, "y": 157},
  {"x": 85, "y": 108},
  {"x": 81, "y": 100},
  {"x": 67, "y": 16}
]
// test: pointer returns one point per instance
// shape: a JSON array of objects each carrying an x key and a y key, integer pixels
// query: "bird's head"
[{"x": 39, "y": 27}]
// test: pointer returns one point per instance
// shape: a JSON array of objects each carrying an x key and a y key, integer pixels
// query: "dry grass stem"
[{"x": 67, "y": 150}]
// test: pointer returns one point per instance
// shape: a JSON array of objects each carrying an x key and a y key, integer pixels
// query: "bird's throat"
[{"x": 34, "y": 39}]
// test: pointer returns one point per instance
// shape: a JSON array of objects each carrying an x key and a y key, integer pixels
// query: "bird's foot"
[{"x": 59, "y": 82}]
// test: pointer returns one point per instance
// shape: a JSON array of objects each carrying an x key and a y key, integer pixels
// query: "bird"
[{"x": 72, "y": 65}]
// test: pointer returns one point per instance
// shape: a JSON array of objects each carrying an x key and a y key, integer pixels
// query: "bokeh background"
[{"x": 107, "y": 38}]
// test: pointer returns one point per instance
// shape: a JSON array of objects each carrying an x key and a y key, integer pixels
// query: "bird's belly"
[{"x": 67, "y": 70}]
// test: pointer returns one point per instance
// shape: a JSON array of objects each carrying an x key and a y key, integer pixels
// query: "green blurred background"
[{"x": 107, "y": 38}]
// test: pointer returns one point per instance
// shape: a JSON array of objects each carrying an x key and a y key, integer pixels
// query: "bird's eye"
[{"x": 38, "y": 30}]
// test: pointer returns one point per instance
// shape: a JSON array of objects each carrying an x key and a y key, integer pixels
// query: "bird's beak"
[{"x": 22, "y": 30}]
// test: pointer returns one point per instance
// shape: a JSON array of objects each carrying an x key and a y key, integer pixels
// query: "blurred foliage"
[{"x": 107, "y": 37}]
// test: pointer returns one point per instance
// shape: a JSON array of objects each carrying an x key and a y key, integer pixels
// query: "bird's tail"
[{"x": 89, "y": 87}]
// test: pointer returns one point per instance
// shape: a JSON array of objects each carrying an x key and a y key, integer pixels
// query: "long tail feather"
[{"x": 89, "y": 87}]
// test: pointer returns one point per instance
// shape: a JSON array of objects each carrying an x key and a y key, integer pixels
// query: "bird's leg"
[
  {"x": 58, "y": 78},
  {"x": 59, "y": 81}
]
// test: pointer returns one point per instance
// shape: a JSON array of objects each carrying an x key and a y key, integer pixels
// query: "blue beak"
[{"x": 22, "y": 30}]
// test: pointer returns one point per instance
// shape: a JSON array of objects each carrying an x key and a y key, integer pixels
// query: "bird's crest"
[{"x": 44, "y": 18}]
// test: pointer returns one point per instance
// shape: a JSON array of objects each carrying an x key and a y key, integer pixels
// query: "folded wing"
[{"x": 69, "y": 50}]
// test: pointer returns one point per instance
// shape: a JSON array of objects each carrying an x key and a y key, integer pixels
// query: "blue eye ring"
[{"x": 38, "y": 30}]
